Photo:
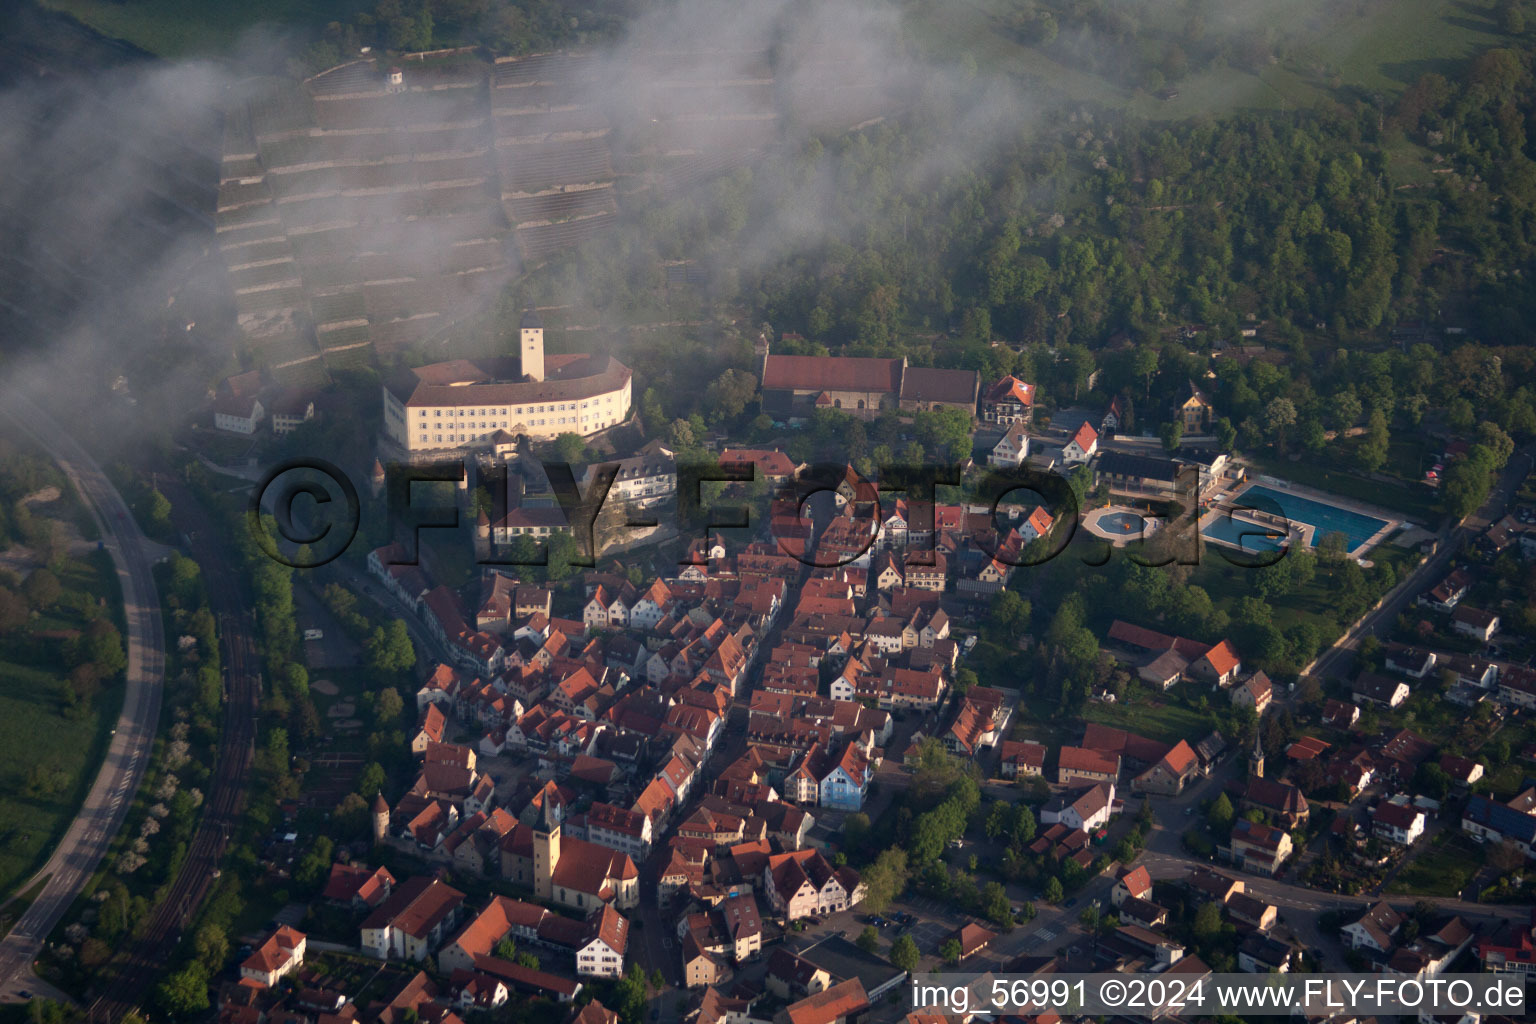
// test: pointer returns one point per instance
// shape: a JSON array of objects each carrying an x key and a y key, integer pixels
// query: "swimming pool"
[
  {"x": 1324, "y": 519},
  {"x": 1246, "y": 536},
  {"x": 1122, "y": 522}
]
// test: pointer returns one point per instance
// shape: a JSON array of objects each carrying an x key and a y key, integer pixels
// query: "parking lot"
[{"x": 929, "y": 936}]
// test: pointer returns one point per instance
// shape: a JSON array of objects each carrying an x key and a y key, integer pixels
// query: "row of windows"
[
  {"x": 518, "y": 410},
  {"x": 552, "y": 421}
]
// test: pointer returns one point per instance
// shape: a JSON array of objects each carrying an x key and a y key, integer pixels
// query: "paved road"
[
  {"x": 81, "y": 850},
  {"x": 1336, "y": 660}
]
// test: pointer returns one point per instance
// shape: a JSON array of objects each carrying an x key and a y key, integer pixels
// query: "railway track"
[{"x": 151, "y": 954}]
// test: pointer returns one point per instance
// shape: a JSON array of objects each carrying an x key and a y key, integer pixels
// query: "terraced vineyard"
[{"x": 370, "y": 207}]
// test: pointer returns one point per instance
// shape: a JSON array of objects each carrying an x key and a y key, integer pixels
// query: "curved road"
[{"x": 86, "y": 840}]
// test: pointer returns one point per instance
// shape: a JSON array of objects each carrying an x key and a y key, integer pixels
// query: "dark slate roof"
[
  {"x": 1142, "y": 466},
  {"x": 1507, "y": 821},
  {"x": 926, "y": 384}
]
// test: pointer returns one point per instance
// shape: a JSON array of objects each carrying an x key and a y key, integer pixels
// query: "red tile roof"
[
  {"x": 272, "y": 954},
  {"x": 830, "y": 1004},
  {"x": 831, "y": 373},
  {"x": 1222, "y": 658},
  {"x": 1181, "y": 758},
  {"x": 416, "y": 907},
  {"x": 1137, "y": 881},
  {"x": 1011, "y": 389},
  {"x": 358, "y": 881},
  {"x": 1082, "y": 760}
]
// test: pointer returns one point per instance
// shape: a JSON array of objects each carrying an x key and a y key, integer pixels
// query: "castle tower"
[
  {"x": 394, "y": 81},
  {"x": 482, "y": 535},
  {"x": 380, "y": 818},
  {"x": 377, "y": 480},
  {"x": 531, "y": 349},
  {"x": 1256, "y": 759},
  {"x": 546, "y": 854}
]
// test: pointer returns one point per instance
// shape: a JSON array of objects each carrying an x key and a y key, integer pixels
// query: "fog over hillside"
[{"x": 112, "y": 181}]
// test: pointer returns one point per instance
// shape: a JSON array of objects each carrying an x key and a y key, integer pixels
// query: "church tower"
[
  {"x": 531, "y": 349},
  {"x": 546, "y": 854},
  {"x": 1256, "y": 759}
]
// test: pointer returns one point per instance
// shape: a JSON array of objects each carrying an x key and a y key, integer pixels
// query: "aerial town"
[{"x": 526, "y": 569}]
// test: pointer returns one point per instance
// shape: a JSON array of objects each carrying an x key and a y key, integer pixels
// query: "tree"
[
  {"x": 186, "y": 991},
  {"x": 1024, "y": 825},
  {"x": 386, "y": 711},
  {"x": 885, "y": 879},
  {"x": 103, "y": 646},
  {"x": 1432, "y": 780},
  {"x": 904, "y": 953},
  {"x": 211, "y": 946},
  {"x": 13, "y": 612},
  {"x": 727, "y": 396},
  {"x": 1144, "y": 366},
  {"x": 1053, "y": 892},
  {"x": 1172, "y": 434},
  {"x": 1279, "y": 417},
  {"x": 1221, "y": 815},
  {"x": 869, "y": 939},
  {"x": 999, "y": 819},
  {"x": 855, "y": 829},
  {"x": 1226, "y": 434},
  {"x": 1332, "y": 548},
  {"x": 1008, "y": 617},
  {"x": 1511, "y": 18},
  {"x": 505, "y": 949},
  {"x": 314, "y": 865},
  {"x": 570, "y": 448},
  {"x": 390, "y": 649},
  {"x": 42, "y": 589},
  {"x": 1372, "y": 453},
  {"x": 159, "y": 512},
  {"x": 370, "y": 780},
  {"x": 994, "y": 904},
  {"x": 950, "y": 951},
  {"x": 1500, "y": 444},
  {"x": 1465, "y": 485},
  {"x": 1208, "y": 921}
]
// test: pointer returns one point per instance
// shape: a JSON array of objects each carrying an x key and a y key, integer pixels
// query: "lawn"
[
  {"x": 178, "y": 28},
  {"x": 34, "y": 816},
  {"x": 1442, "y": 869},
  {"x": 1385, "y": 45},
  {"x": 1380, "y": 46},
  {"x": 1167, "y": 722}
]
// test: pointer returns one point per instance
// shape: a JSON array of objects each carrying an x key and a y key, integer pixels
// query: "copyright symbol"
[
  {"x": 1113, "y": 993},
  {"x": 324, "y": 523}
]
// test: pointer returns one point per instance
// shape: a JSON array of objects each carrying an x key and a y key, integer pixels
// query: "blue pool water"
[
  {"x": 1322, "y": 517},
  {"x": 1247, "y": 536},
  {"x": 1122, "y": 522}
]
